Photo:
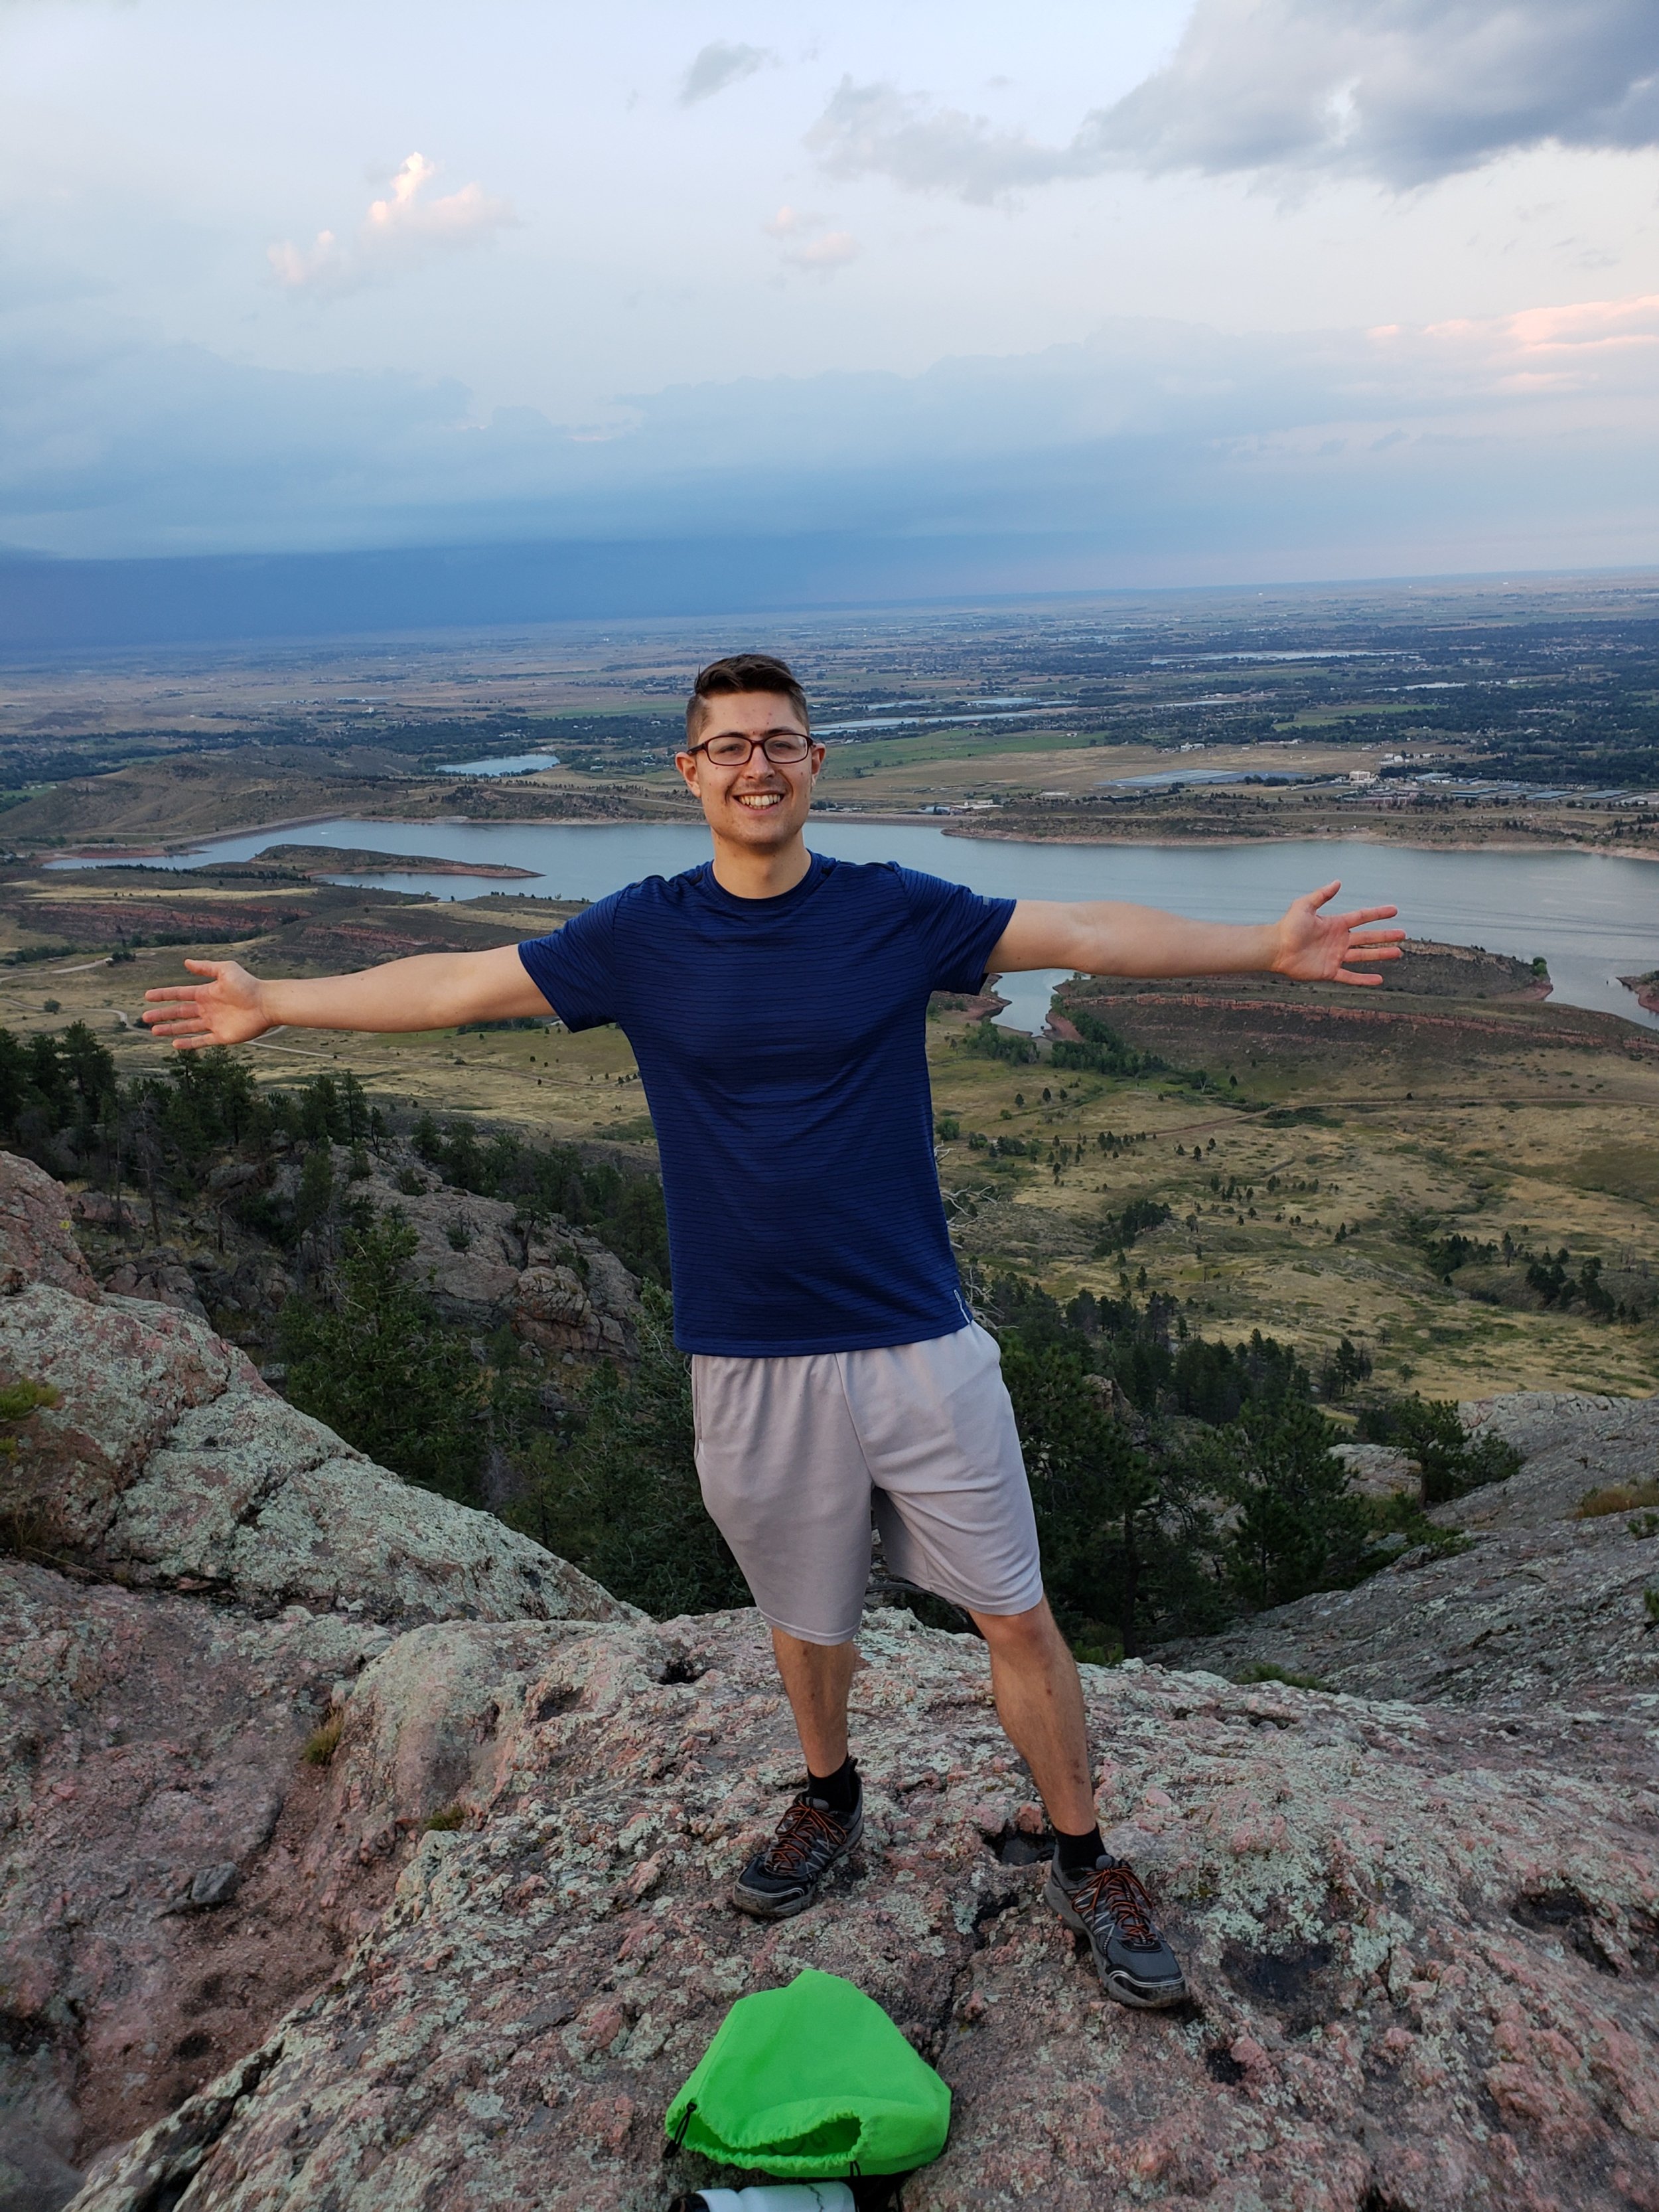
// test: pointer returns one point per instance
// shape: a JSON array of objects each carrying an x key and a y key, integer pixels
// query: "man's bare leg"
[
  {"x": 826, "y": 1820},
  {"x": 1034, "y": 1680},
  {"x": 1039, "y": 1699},
  {"x": 816, "y": 1680}
]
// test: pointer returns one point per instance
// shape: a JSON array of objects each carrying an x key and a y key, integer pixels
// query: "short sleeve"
[
  {"x": 958, "y": 929},
  {"x": 573, "y": 969}
]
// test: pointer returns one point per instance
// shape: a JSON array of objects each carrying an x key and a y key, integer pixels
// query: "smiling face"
[{"x": 759, "y": 806}]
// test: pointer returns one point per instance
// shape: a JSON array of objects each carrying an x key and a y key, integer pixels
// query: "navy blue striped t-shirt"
[{"x": 782, "y": 1044}]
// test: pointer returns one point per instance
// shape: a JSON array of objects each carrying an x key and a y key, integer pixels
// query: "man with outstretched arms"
[{"x": 775, "y": 1002}]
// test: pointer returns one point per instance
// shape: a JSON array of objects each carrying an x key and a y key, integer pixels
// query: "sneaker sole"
[
  {"x": 1140, "y": 1997},
  {"x": 759, "y": 1906}
]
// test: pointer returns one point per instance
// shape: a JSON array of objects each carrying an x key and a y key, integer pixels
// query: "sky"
[{"x": 1102, "y": 292}]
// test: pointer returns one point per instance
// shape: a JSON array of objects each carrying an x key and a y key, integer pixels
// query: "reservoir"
[{"x": 1592, "y": 917}]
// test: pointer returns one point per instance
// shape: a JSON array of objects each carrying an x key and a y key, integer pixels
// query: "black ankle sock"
[
  {"x": 839, "y": 1791},
  {"x": 1079, "y": 1854}
]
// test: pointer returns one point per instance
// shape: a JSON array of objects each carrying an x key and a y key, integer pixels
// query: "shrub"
[
  {"x": 322, "y": 1743},
  {"x": 1264, "y": 1670},
  {"x": 17, "y": 1402},
  {"x": 1615, "y": 1497},
  {"x": 1401, "y": 1514}
]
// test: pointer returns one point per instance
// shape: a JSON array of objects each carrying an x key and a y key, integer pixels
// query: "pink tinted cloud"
[
  {"x": 1582, "y": 345},
  {"x": 807, "y": 244},
  {"x": 399, "y": 231}
]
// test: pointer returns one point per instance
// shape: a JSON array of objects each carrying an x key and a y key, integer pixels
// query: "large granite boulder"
[
  {"x": 198, "y": 1573},
  {"x": 37, "y": 1242},
  {"x": 1572, "y": 1444},
  {"x": 155, "y": 1809}
]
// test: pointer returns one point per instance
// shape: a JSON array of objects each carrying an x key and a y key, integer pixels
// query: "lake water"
[
  {"x": 502, "y": 765},
  {"x": 1593, "y": 918}
]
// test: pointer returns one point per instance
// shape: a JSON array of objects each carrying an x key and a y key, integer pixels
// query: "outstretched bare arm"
[
  {"x": 1107, "y": 937},
  {"x": 433, "y": 991}
]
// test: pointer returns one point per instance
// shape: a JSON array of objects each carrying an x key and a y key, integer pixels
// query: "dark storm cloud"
[{"x": 1403, "y": 91}]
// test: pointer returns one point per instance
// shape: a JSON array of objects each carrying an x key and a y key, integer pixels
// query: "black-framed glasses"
[{"x": 731, "y": 749}]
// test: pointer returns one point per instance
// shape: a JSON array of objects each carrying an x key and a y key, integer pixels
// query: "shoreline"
[
  {"x": 187, "y": 846},
  {"x": 946, "y": 826},
  {"x": 1299, "y": 836}
]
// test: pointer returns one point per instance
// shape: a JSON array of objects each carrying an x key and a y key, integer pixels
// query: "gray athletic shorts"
[{"x": 794, "y": 1453}]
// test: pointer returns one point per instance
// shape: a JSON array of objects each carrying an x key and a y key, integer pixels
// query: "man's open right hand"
[{"x": 224, "y": 1009}]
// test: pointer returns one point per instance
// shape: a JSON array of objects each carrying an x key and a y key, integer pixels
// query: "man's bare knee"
[{"x": 1028, "y": 1635}]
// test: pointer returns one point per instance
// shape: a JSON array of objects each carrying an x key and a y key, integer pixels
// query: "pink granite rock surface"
[
  {"x": 1422, "y": 1945},
  {"x": 37, "y": 1240}
]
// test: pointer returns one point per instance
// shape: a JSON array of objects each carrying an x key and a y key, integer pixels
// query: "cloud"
[
  {"x": 874, "y": 130},
  {"x": 1399, "y": 91},
  {"x": 397, "y": 233},
  {"x": 809, "y": 243},
  {"x": 718, "y": 66}
]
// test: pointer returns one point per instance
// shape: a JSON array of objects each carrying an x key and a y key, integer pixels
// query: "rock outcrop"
[
  {"x": 1422, "y": 1946},
  {"x": 356, "y": 1854},
  {"x": 155, "y": 1809},
  {"x": 487, "y": 1265},
  {"x": 1543, "y": 1603},
  {"x": 554, "y": 1286},
  {"x": 169, "y": 1463}
]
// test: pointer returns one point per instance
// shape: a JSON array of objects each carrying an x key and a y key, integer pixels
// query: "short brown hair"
[{"x": 743, "y": 672}]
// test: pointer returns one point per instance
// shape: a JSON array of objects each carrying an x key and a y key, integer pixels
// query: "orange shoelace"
[
  {"x": 1119, "y": 1891},
  {"x": 803, "y": 1825}
]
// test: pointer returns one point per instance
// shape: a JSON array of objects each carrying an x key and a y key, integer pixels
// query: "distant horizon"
[{"x": 57, "y": 604}]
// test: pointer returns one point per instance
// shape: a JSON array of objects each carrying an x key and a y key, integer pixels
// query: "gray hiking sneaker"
[
  {"x": 1108, "y": 1904},
  {"x": 785, "y": 1878}
]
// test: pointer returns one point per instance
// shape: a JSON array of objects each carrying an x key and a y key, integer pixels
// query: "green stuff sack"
[{"x": 815, "y": 2082}]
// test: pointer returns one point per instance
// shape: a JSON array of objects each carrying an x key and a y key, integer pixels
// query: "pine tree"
[{"x": 371, "y": 1356}]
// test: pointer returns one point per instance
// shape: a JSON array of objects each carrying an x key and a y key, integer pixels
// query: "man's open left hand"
[{"x": 1316, "y": 948}]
